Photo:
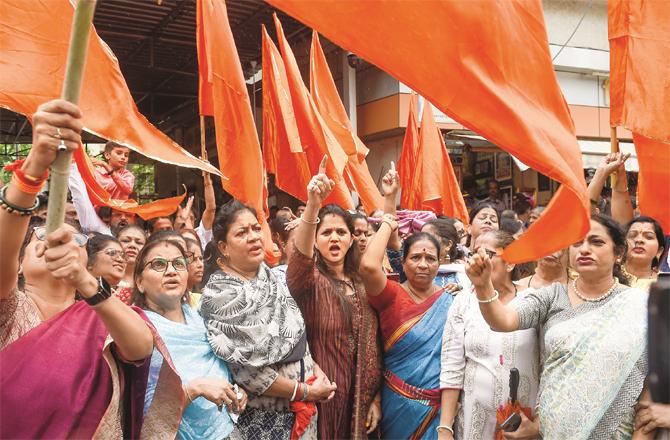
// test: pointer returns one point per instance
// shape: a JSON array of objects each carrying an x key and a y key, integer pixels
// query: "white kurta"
[{"x": 477, "y": 360}]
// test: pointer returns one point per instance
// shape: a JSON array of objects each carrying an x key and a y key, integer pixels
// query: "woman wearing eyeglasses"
[
  {"x": 476, "y": 361},
  {"x": 61, "y": 357},
  {"x": 161, "y": 279},
  {"x": 255, "y": 325},
  {"x": 106, "y": 259}
]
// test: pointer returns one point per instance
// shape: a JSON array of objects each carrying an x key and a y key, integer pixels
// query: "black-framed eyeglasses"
[
  {"x": 113, "y": 253},
  {"x": 79, "y": 238},
  {"x": 161, "y": 264}
]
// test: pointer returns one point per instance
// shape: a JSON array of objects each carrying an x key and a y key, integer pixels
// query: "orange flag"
[
  {"x": 224, "y": 94},
  {"x": 99, "y": 196},
  {"x": 316, "y": 138},
  {"x": 653, "y": 186},
  {"x": 282, "y": 151},
  {"x": 481, "y": 80},
  {"x": 439, "y": 188},
  {"x": 328, "y": 103},
  {"x": 407, "y": 164},
  {"x": 33, "y": 49},
  {"x": 639, "y": 36}
]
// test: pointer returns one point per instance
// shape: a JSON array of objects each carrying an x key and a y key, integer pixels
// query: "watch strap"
[{"x": 104, "y": 292}]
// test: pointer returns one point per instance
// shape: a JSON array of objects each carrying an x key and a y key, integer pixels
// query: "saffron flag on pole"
[
  {"x": 483, "y": 80},
  {"x": 99, "y": 196},
  {"x": 225, "y": 95},
  {"x": 282, "y": 151},
  {"x": 639, "y": 36},
  {"x": 328, "y": 103},
  {"x": 439, "y": 188},
  {"x": 33, "y": 49},
  {"x": 316, "y": 138},
  {"x": 653, "y": 186},
  {"x": 407, "y": 163}
]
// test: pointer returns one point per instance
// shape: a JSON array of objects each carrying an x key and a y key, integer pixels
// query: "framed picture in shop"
[
  {"x": 506, "y": 194},
  {"x": 503, "y": 166}
]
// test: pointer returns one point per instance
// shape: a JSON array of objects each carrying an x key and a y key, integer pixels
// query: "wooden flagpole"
[{"x": 74, "y": 70}]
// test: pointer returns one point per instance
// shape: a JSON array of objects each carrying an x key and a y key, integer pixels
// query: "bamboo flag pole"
[
  {"x": 614, "y": 148},
  {"x": 203, "y": 141},
  {"x": 74, "y": 70}
]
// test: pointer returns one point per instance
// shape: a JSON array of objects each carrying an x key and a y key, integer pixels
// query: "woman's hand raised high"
[
  {"x": 391, "y": 182},
  {"x": 320, "y": 187}
]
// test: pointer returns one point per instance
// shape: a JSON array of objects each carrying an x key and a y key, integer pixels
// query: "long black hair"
[
  {"x": 658, "y": 231},
  {"x": 351, "y": 258}
]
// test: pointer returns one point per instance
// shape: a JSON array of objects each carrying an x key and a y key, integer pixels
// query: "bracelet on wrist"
[
  {"x": 12, "y": 208},
  {"x": 16, "y": 167},
  {"x": 489, "y": 300},
  {"x": 310, "y": 222},
  {"x": 625, "y": 190},
  {"x": 445, "y": 427},
  {"x": 295, "y": 390}
]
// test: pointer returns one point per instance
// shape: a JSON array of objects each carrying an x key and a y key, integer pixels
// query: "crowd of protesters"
[{"x": 366, "y": 327}]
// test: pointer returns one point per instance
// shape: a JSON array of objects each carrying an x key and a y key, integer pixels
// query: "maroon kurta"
[{"x": 348, "y": 353}]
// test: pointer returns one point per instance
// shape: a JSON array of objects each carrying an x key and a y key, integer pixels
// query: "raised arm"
[
  {"x": 210, "y": 203},
  {"x": 390, "y": 188},
  {"x": 622, "y": 209},
  {"x": 318, "y": 190},
  {"x": 132, "y": 337},
  {"x": 53, "y": 121},
  {"x": 500, "y": 317},
  {"x": 371, "y": 269}
]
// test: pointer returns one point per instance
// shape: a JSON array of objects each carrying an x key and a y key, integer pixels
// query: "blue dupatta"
[
  {"x": 411, "y": 394},
  {"x": 192, "y": 357}
]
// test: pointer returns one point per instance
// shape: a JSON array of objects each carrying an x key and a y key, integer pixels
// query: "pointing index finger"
[
  {"x": 392, "y": 166},
  {"x": 322, "y": 166}
]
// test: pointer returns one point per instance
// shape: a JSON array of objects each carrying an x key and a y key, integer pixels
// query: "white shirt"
[
  {"x": 88, "y": 218},
  {"x": 477, "y": 360}
]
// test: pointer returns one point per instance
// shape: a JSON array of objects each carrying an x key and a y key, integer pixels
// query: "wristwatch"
[{"x": 104, "y": 292}]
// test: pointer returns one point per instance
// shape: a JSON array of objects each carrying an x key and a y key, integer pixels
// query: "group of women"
[{"x": 326, "y": 344}]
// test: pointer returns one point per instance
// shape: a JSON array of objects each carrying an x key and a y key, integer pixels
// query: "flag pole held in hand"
[{"x": 74, "y": 71}]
